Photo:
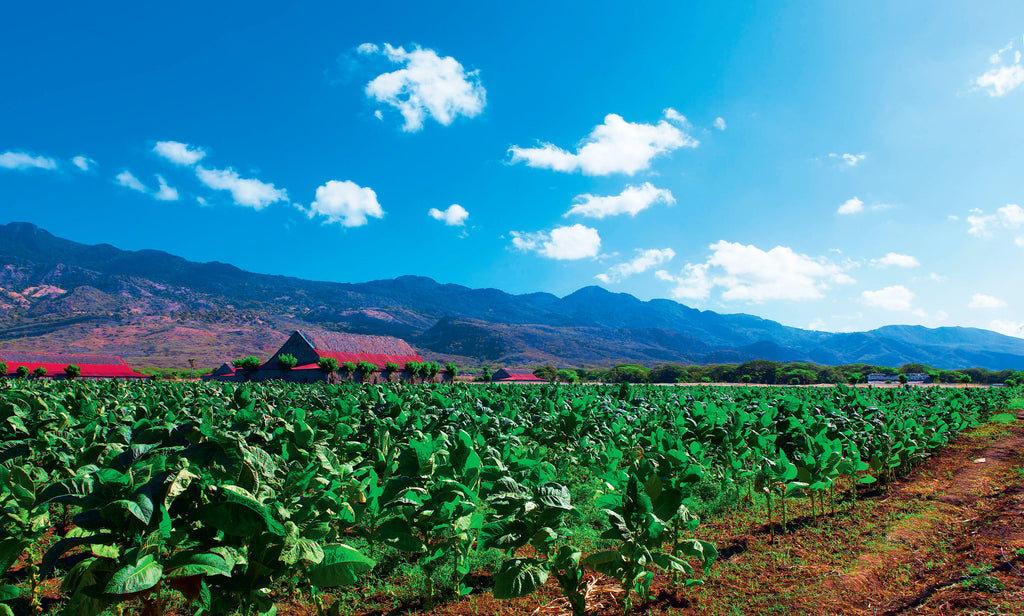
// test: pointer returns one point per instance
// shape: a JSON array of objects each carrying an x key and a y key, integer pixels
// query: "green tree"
[
  {"x": 414, "y": 368},
  {"x": 452, "y": 370},
  {"x": 72, "y": 371},
  {"x": 745, "y": 379},
  {"x": 287, "y": 362},
  {"x": 485, "y": 374},
  {"x": 548, "y": 373},
  {"x": 903, "y": 379},
  {"x": 566, "y": 376},
  {"x": 389, "y": 369},
  {"x": 21, "y": 372},
  {"x": 365, "y": 370},
  {"x": 191, "y": 367},
  {"x": 348, "y": 369},
  {"x": 248, "y": 364},
  {"x": 327, "y": 365},
  {"x": 3, "y": 369},
  {"x": 853, "y": 378},
  {"x": 39, "y": 372},
  {"x": 965, "y": 379},
  {"x": 430, "y": 370}
]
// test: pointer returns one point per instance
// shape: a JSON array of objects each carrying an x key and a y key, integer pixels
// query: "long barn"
[
  {"x": 310, "y": 347},
  {"x": 91, "y": 366}
]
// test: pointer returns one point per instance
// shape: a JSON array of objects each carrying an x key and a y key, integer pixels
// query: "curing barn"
[
  {"x": 90, "y": 366},
  {"x": 308, "y": 348}
]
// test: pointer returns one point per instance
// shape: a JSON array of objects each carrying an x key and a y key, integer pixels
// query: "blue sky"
[{"x": 838, "y": 166}]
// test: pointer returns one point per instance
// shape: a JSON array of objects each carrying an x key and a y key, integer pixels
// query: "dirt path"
[{"x": 963, "y": 554}]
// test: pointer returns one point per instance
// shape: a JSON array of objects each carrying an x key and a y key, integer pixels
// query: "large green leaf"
[
  {"x": 340, "y": 566},
  {"x": 519, "y": 577},
  {"x": 135, "y": 578}
]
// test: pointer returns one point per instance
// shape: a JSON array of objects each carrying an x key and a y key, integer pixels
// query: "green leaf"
[
  {"x": 10, "y": 549},
  {"x": 8, "y": 592},
  {"x": 519, "y": 577},
  {"x": 504, "y": 535},
  {"x": 218, "y": 561},
  {"x": 608, "y": 562},
  {"x": 339, "y": 567},
  {"x": 138, "y": 577}
]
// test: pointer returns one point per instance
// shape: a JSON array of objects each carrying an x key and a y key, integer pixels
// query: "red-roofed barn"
[
  {"x": 91, "y": 366},
  {"x": 515, "y": 376},
  {"x": 309, "y": 348}
]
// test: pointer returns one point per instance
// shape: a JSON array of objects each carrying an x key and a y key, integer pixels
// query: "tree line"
[{"x": 768, "y": 372}]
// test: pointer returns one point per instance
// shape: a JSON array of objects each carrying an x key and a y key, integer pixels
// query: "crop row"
[{"x": 230, "y": 497}]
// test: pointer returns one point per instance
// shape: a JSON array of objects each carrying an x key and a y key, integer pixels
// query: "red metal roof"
[
  {"x": 377, "y": 359},
  {"x": 92, "y": 366}
]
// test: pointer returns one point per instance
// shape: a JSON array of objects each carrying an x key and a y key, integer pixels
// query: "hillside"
[{"x": 158, "y": 309}]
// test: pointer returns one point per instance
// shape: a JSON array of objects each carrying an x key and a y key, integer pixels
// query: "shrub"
[
  {"x": 452, "y": 370},
  {"x": 21, "y": 372},
  {"x": 39, "y": 372},
  {"x": 327, "y": 365},
  {"x": 247, "y": 363},
  {"x": 286, "y": 361},
  {"x": 72, "y": 371},
  {"x": 3, "y": 369}
]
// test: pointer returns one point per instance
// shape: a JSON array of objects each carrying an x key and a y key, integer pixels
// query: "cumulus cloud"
[
  {"x": 1005, "y": 77},
  {"x": 563, "y": 243},
  {"x": 1010, "y": 216},
  {"x": 644, "y": 260},
  {"x": 345, "y": 203},
  {"x": 165, "y": 192},
  {"x": 427, "y": 86},
  {"x": 893, "y": 259},
  {"x": 633, "y": 200},
  {"x": 179, "y": 153},
  {"x": 979, "y": 300},
  {"x": 245, "y": 191},
  {"x": 851, "y": 206},
  {"x": 719, "y": 123},
  {"x": 897, "y": 298},
  {"x": 616, "y": 146},
  {"x": 454, "y": 216},
  {"x": 23, "y": 160},
  {"x": 83, "y": 162},
  {"x": 128, "y": 180},
  {"x": 747, "y": 273},
  {"x": 1008, "y": 328},
  {"x": 849, "y": 160}
]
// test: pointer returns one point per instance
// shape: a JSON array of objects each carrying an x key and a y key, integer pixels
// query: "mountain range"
[{"x": 157, "y": 309}]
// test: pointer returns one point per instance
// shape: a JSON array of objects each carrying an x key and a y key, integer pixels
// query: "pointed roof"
[{"x": 377, "y": 350}]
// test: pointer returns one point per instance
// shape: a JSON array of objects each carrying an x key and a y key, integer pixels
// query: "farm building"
[
  {"x": 913, "y": 378},
  {"x": 91, "y": 366},
  {"x": 308, "y": 348},
  {"x": 515, "y": 376},
  {"x": 226, "y": 372}
]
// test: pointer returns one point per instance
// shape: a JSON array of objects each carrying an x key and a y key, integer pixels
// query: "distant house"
[
  {"x": 309, "y": 348},
  {"x": 91, "y": 366},
  {"x": 913, "y": 378},
  {"x": 515, "y": 376},
  {"x": 226, "y": 372}
]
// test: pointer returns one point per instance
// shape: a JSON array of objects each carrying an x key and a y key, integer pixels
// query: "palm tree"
[{"x": 191, "y": 367}]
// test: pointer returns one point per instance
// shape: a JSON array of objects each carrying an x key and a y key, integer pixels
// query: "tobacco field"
[{"x": 211, "y": 499}]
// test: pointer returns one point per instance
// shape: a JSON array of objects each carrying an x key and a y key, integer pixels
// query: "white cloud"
[
  {"x": 126, "y": 179},
  {"x": 201, "y": 201},
  {"x": 22, "y": 160},
  {"x": 851, "y": 206},
  {"x": 427, "y": 86},
  {"x": 893, "y": 259},
  {"x": 645, "y": 260},
  {"x": 248, "y": 192},
  {"x": 165, "y": 192},
  {"x": 937, "y": 277},
  {"x": 719, "y": 123},
  {"x": 1008, "y": 328},
  {"x": 83, "y": 162},
  {"x": 1010, "y": 216},
  {"x": 616, "y": 146},
  {"x": 346, "y": 203},
  {"x": 563, "y": 243},
  {"x": 896, "y": 297},
  {"x": 179, "y": 153},
  {"x": 1004, "y": 78},
  {"x": 850, "y": 160},
  {"x": 633, "y": 200},
  {"x": 454, "y": 216},
  {"x": 748, "y": 273},
  {"x": 979, "y": 300}
]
